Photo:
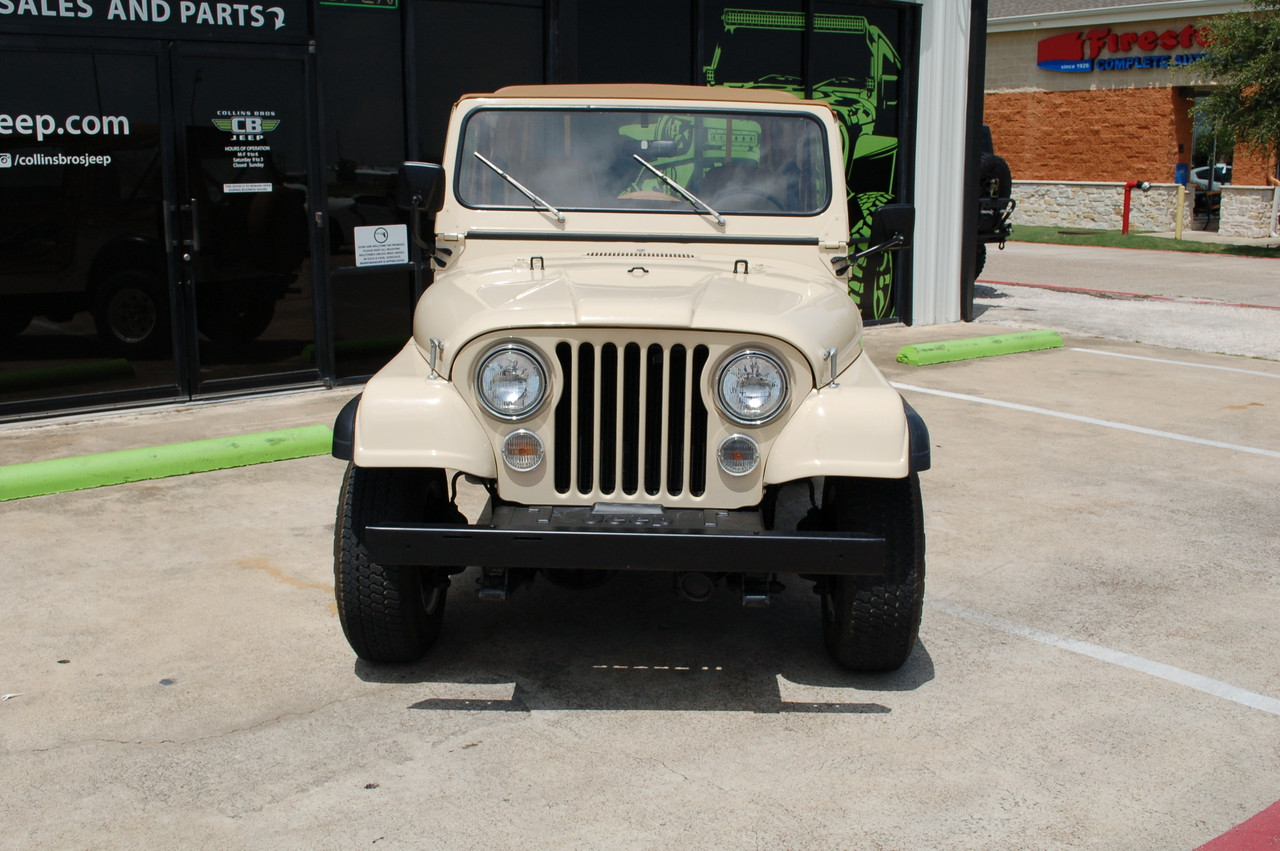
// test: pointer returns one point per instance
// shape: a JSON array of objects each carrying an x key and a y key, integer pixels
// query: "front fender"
[
  {"x": 406, "y": 418},
  {"x": 860, "y": 427}
]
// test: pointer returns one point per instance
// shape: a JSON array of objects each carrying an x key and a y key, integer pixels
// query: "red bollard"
[{"x": 1128, "y": 191}]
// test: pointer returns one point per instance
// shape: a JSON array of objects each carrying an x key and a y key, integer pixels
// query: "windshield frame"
[{"x": 747, "y": 111}]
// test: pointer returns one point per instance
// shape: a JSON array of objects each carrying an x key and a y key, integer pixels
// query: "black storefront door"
[
  {"x": 243, "y": 252},
  {"x": 155, "y": 209}
]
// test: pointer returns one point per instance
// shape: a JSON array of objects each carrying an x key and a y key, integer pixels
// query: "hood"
[{"x": 782, "y": 301}]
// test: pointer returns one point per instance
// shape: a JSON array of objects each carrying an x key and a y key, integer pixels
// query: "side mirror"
[
  {"x": 420, "y": 187},
  {"x": 892, "y": 226}
]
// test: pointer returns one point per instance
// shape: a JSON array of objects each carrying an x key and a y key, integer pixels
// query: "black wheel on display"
[
  {"x": 132, "y": 314},
  {"x": 871, "y": 623},
  {"x": 389, "y": 613}
]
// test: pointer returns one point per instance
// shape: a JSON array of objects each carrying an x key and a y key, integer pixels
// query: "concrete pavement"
[{"x": 1096, "y": 666}]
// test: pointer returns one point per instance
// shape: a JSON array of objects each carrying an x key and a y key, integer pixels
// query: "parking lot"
[{"x": 1097, "y": 665}]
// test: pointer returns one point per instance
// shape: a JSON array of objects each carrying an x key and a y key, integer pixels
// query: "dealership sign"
[
  {"x": 264, "y": 20},
  {"x": 1105, "y": 50}
]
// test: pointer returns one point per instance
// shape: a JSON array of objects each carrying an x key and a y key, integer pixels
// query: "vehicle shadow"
[{"x": 632, "y": 645}]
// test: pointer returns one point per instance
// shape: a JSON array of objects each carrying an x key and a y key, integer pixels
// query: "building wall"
[
  {"x": 1107, "y": 135},
  {"x": 1097, "y": 205},
  {"x": 1253, "y": 167},
  {"x": 1013, "y": 57},
  {"x": 1118, "y": 113},
  {"x": 1246, "y": 211}
]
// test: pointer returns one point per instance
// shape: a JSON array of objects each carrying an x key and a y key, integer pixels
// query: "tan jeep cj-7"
[{"x": 639, "y": 341}]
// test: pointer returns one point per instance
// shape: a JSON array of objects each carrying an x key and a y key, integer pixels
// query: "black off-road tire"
[
  {"x": 980, "y": 259},
  {"x": 389, "y": 613},
  {"x": 995, "y": 176},
  {"x": 871, "y": 624}
]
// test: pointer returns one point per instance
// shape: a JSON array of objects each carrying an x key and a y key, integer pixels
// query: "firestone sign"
[{"x": 1104, "y": 50}]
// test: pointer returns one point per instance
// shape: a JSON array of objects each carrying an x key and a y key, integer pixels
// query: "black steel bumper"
[
  {"x": 994, "y": 219},
  {"x": 627, "y": 537}
]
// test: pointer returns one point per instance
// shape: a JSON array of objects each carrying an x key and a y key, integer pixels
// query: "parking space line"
[
  {"x": 1217, "y": 688},
  {"x": 1177, "y": 362},
  {"x": 1013, "y": 406}
]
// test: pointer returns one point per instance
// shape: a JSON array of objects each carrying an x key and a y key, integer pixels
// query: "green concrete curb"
[
  {"x": 924, "y": 354},
  {"x": 39, "y": 478}
]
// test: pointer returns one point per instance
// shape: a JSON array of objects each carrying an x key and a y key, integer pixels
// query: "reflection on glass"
[
  {"x": 363, "y": 150},
  {"x": 247, "y": 220},
  {"x": 372, "y": 319},
  {"x": 586, "y": 159},
  {"x": 84, "y": 294}
]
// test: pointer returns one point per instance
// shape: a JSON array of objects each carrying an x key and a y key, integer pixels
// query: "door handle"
[{"x": 195, "y": 226}]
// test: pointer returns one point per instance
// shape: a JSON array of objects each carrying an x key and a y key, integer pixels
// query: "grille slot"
[{"x": 631, "y": 421}]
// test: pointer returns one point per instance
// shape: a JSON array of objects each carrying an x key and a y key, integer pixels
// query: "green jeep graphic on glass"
[{"x": 864, "y": 97}]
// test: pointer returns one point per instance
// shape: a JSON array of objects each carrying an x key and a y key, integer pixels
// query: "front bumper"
[{"x": 627, "y": 537}]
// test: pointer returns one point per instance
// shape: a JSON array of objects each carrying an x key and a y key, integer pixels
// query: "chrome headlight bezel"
[
  {"x": 776, "y": 405},
  {"x": 536, "y": 362}
]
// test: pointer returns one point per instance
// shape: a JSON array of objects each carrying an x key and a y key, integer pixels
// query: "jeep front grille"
[{"x": 631, "y": 420}]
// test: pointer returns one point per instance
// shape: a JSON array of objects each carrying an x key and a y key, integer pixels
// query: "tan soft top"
[{"x": 644, "y": 91}]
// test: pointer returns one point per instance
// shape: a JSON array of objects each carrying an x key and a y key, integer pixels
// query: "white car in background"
[{"x": 1221, "y": 175}]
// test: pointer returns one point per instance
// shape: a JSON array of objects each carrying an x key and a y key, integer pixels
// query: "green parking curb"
[
  {"x": 923, "y": 354},
  {"x": 57, "y": 475}
]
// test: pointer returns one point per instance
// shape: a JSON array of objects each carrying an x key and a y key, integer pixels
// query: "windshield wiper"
[
  {"x": 520, "y": 187},
  {"x": 688, "y": 196}
]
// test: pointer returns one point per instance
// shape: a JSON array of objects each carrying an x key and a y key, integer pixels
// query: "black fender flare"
[
  {"x": 918, "y": 437},
  {"x": 344, "y": 430}
]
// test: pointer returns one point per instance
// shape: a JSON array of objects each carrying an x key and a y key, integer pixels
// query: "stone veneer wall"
[
  {"x": 1245, "y": 210},
  {"x": 1096, "y": 205}
]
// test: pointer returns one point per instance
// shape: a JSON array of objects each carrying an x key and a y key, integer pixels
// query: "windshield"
[{"x": 580, "y": 159}]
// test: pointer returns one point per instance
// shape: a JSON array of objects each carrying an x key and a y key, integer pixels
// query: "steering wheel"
[{"x": 757, "y": 195}]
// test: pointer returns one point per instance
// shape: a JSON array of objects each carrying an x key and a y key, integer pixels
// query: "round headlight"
[
  {"x": 751, "y": 387},
  {"x": 511, "y": 382}
]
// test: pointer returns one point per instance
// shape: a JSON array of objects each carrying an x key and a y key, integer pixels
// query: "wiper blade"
[
  {"x": 520, "y": 187},
  {"x": 688, "y": 196}
]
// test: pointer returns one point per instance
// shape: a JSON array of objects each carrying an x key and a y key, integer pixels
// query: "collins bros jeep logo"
[
  {"x": 246, "y": 127},
  {"x": 1078, "y": 52}
]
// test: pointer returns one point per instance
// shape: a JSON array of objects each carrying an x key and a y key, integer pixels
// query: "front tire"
[
  {"x": 389, "y": 613},
  {"x": 871, "y": 623}
]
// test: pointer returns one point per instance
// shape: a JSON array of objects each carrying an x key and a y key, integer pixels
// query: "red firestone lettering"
[{"x": 1097, "y": 41}]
